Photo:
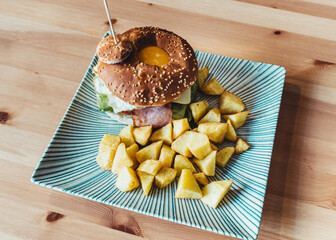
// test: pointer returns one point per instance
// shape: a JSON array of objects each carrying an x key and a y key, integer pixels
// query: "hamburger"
[{"x": 148, "y": 78}]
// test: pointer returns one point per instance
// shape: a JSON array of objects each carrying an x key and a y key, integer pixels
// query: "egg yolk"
[{"x": 154, "y": 56}]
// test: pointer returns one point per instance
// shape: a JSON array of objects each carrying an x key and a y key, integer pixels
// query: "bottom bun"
[{"x": 123, "y": 118}]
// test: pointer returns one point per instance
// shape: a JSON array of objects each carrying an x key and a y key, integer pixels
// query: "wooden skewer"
[{"x": 109, "y": 18}]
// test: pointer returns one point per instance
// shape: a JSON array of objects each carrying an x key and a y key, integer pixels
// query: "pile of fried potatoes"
[{"x": 172, "y": 150}]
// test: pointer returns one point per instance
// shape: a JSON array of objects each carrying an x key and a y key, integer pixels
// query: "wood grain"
[{"x": 46, "y": 47}]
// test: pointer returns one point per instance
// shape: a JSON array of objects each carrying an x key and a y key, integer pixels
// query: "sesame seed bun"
[
  {"x": 141, "y": 84},
  {"x": 111, "y": 53}
]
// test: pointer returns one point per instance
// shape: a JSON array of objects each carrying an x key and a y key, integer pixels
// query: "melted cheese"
[{"x": 185, "y": 97}]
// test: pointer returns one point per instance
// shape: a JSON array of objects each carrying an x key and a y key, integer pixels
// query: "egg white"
[{"x": 116, "y": 103}]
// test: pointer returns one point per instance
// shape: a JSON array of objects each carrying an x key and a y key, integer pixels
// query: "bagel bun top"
[
  {"x": 145, "y": 85},
  {"x": 111, "y": 53}
]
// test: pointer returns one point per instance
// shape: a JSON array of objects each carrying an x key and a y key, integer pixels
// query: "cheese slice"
[{"x": 185, "y": 97}]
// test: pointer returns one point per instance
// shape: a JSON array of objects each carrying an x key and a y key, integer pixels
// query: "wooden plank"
[
  {"x": 35, "y": 223},
  {"x": 249, "y": 43},
  {"x": 259, "y": 16},
  {"x": 306, "y": 7}
]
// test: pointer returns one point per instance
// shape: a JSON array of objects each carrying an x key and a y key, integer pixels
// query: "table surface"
[{"x": 46, "y": 47}]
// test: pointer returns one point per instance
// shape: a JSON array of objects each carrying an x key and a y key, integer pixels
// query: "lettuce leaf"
[
  {"x": 182, "y": 110},
  {"x": 103, "y": 103},
  {"x": 179, "y": 110},
  {"x": 194, "y": 91}
]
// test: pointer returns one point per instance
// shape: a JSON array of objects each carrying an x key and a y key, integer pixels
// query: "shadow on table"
[{"x": 273, "y": 205}]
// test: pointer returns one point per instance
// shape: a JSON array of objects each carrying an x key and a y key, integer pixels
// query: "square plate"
[{"x": 69, "y": 165}]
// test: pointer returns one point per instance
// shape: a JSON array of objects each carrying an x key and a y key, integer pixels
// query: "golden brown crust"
[
  {"x": 142, "y": 84},
  {"x": 111, "y": 53}
]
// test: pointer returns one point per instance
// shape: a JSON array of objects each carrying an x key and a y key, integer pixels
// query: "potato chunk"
[
  {"x": 230, "y": 133},
  {"x": 230, "y": 103},
  {"x": 109, "y": 142},
  {"x": 224, "y": 155},
  {"x": 151, "y": 167},
  {"x": 146, "y": 181},
  {"x": 165, "y": 133},
  {"x": 127, "y": 180},
  {"x": 203, "y": 74},
  {"x": 214, "y": 192},
  {"x": 199, "y": 144},
  {"x": 215, "y": 131},
  {"x": 181, "y": 162},
  {"x": 166, "y": 156},
  {"x": 126, "y": 135},
  {"x": 179, "y": 127},
  {"x": 165, "y": 177},
  {"x": 180, "y": 145},
  {"x": 201, "y": 178},
  {"x": 187, "y": 186},
  {"x": 150, "y": 152},
  {"x": 132, "y": 150},
  {"x": 198, "y": 109},
  {"x": 121, "y": 159},
  {"x": 241, "y": 146},
  {"x": 212, "y": 87},
  {"x": 142, "y": 134},
  {"x": 212, "y": 116},
  {"x": 105, "y": 159},
  {"x": 237, "y": 119},
  {"x": 208, "y": 164}
]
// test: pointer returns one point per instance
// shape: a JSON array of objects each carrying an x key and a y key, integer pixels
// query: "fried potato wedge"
[
  {"x": 198, "y": 109},
  {"x": 224, "y": 155},
  {"x": 142, "y": 134},
  {"x": 214, "y": 192},
  {"x": 199, "y": 144},
  {"x": 150, "y": 152},
  {"x": 215, "y": 131},
  {"x": 181, "y": 162},
  {"x": 127, "y": 180},
  {"x": 201, "y": 178},
  {"x": 208, "y": 164},
  {"x": 180, "y": 145},
  {"x": 146, "y": 181},
  {"x": 230, "y": 133},
  {"x": 126, "y": 135},
  {"x": 212, "y": 116},
  {"x": 230, "y": 103},
  {"x": 179, "y": 127},
  {"x": 109, "y": 142},
  {"x": 187, "y": 186},
  {"x": 166, "y": 156},
  {"x": 212, "y": 87},
  {"x": 151, "y": 167},
  {"x": 165, "y": 133},
  {"x": 165, "y": 177},
  {"x": 203, "y": 74},
  {"x": 132, "y": 150},
  {"x": 121, "y": 159},
  {"x": 241, "y": 146},
  {"x": 237, "y": 119}
]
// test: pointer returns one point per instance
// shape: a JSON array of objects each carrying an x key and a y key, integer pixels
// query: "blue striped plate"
[{"x": 69, "y": 165}]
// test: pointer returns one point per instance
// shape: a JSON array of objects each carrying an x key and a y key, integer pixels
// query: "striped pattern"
[{"x": 69, "y": 165}]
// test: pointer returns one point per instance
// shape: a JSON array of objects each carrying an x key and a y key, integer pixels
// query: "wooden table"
[{"x": 46, "y": 47}]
